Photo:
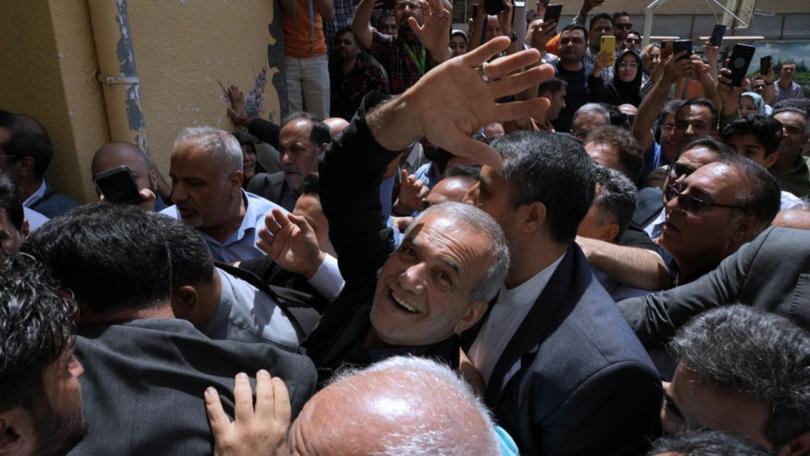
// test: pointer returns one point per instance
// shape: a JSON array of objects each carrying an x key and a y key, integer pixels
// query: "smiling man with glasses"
[{"x": 713, "y": 210}]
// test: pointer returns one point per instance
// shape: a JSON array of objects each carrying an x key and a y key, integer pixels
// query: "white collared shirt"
[{"x": 505, "y": 318}]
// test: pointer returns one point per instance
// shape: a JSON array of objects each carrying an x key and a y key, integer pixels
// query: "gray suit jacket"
[
  {"x": 144, "y": 381},
  {"x": 772, "y": 272}
]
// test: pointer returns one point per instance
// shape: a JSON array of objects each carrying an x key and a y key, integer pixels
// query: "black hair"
[
  {"x": 758, "y": 193},
  {"x": 742, "y": 350},
  {"x": 766, "y": 129},
  {"x": 310, "y": 185},
  {"x": 464, "y": 172},
  {"x": 670, "y": 107},
  {"x": 320, "y": 131},
  {"x": 191, "y": 259},
  {"x": 619, "y": 14},
  {"x": 10, "y": 202},
  {"x": 706, "y": 443},
  {"x": 28, "y": 138},
  {"x": 553, "y": 85},
  {"x": 246, "y": 139},
  {"x": 571, "y": 27},
  {"x": 796, "y": 109},
  {"x": 35, "y": 329},
  {"x": 713, "y": 145},
  {"x": 597, "y": 17},
  {"x": 110, "y": 256},
  {"x": 702, "y": 101},
  {"x": 552, "y": 169}
]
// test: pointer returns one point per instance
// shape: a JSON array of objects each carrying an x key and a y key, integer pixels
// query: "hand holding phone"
[
  {"x": 608, "y": 44},
  {"x": 739, "y": 62},
  {"x": 553, "y": 13},
  {"x": 765, "y": 65},
  {"x": 717, "y": 35},
  {"x": 682, "y": 45},
  {"x": 118, "y": 186}
]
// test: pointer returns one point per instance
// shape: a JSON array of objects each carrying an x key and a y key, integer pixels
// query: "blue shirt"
[{"x": 240, "y": 245}]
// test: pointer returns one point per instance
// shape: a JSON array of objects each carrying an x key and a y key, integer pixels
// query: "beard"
[{"x": 57, "y": 432}]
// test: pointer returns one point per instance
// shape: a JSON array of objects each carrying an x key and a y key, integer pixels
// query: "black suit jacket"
[
  {"x": 772, "y": 272},
  {"x": 573, "y": 379},
  {"x": 143, "y": 384},
  {"x": 272, "y": 187},
  {"x": 350, "y": 197}
]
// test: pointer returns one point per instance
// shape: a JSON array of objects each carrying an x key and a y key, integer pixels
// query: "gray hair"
[
  {"x": 456, "y": 435},
  {"x": 615, "y": 198},
  {"x": 593, "y": 107},
  {"x": 742, "y": 350},
  {"x": 223, "y": 146},
  {"x": 486, "y": 289}
]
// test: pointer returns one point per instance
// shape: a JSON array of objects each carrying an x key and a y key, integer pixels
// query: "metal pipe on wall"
[{"x": 117, "y": 71}]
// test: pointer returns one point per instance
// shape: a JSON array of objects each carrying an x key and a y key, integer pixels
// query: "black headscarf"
[{"x": 619, "y": 92}]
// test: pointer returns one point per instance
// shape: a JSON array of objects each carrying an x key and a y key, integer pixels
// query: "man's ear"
[
  {"x": 609, "y": 231},
  {"x": 474, "y": 313},
  {"x": 796, "y": 447},
  {"x": 531, "y": 217},
  {"x": 771, "y": 159},
  {"x": 745, "y": 229},
  {"x": 235, "y": 179},
  {"x": 25, "y": 229},
  {"x": 16, "y": 433},
  {"x": 184, "y": 302}
]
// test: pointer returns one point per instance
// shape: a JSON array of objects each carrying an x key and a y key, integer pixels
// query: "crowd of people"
[{"x": 490, "y": 247}]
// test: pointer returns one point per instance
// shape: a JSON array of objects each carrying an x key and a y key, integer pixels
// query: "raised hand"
[
  {"x": 259, "y": 430},
  {"x": 291, "y": 242},
  {"x": 603, "y": 60},
  {"x": 411, "y": 193},
  {"x": 236, "y": 107},
  {"x": 434, "y": 33},
  {"x": 541, "y": 34},
  {"x": 677, "y": 68},
  {"x": 453, "y": 100}
]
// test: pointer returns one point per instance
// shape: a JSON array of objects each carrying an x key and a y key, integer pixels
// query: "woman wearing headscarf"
[
  {"x": 625, "y": 88},
  {"x": 753, "y": 103}
]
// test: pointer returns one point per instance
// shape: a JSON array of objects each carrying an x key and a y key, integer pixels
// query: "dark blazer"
[
  {"x": 143, "y": 384},
  {"x": 573, "y": 380},
  {"x": 53, "y": 204},
  {"x": 649, "y": 202},
  {"x": 272, "y": 187},
  {"x": 772, "y": 272},
  {"x": 363, "y": 242}
]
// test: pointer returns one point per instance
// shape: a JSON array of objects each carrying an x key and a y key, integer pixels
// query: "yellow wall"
[
  {"x": 47, "y": 70},
  {"x": 183, "y": 48}
]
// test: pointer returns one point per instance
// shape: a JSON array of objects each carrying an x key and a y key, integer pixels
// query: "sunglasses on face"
[
  {"x": 624, "y": 26},
  {"x": 693, "y": 204},
  {"x": 677, "y": 170}
]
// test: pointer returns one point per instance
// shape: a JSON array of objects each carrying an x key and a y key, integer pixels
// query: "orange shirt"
[{"x": 299, "y": 42}]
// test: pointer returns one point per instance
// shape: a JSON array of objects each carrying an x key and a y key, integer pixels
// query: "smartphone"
[
  {"x": 608, "y": 43},
  {"x": 494, "y": 7},
  {"x": 553, "y": 13},
  {"x": 682, "y": 45},
  {"x": 764, "y": 65},
  {"x": 666, "y": 49},
  {"x": 117, "y": 186},
  {"x": 739, "y": 62},
  {"x": 717, "y": 34}
]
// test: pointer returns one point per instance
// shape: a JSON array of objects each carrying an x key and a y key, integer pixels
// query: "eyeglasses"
[
  {"x": 693, "y": 204},
  {"x": 631, "y": 40},
  {"x": 623, "y": 26},
  {"x": 628, "y": 64},
  {"x": 676, "y": 170}
]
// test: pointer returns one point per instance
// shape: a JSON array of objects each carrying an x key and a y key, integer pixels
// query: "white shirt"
[
  {"x": 506, "y": 316},
  {"x": 658, "y": 221}
]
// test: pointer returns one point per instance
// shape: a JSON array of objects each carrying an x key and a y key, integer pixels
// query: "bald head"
[
  {"x": 336, "y": 125},
  {"x": 398, "y": 406}
]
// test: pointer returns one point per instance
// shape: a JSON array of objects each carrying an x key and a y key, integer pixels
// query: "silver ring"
[{"x": 484, "y": 75}]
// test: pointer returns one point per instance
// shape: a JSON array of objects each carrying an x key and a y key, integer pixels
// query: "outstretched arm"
[
  {"x": 652, "y": 104},
  {"x": 434, "y": 33},
  {"x": 361, "y": 24}
]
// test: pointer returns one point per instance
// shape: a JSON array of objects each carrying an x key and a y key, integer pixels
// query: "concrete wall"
[{"x": 183, "y": 50}]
